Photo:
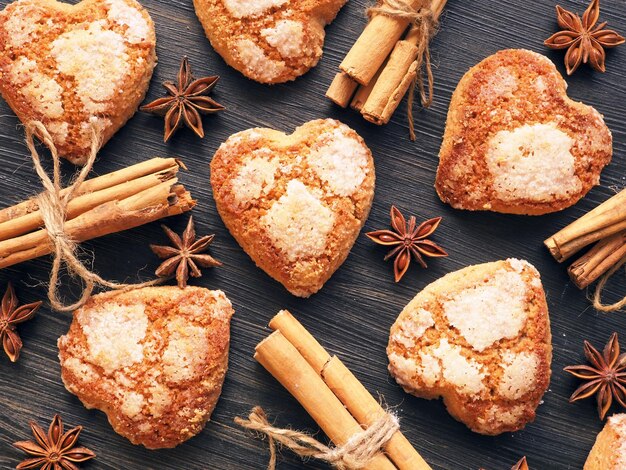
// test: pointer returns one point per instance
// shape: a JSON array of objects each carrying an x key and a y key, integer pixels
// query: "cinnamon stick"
[
  {"x": 284, "y": 362},
  {"x": 153, "y": 166},
  {"x": 374, "y": 45},
  {"x": 602, "y": 257},
  {"x": 341, "y": 89},
  {"x": 397, "y": 75},
  {"x": 607, "y": 219},
  {"x": 33, "y": 220},
  {"x": 343, "y": 383},
  {"x": 164, "y": 200}
]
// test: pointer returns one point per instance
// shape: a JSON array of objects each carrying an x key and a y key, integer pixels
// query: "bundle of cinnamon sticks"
[
  {"x": 606, "y": 227},
  {"x": 330, "y": 393},
  {"x": 382, "y": 65},
  {"x": 107, "y": 204}
]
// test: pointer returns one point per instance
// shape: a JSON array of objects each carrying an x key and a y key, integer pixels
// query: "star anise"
[
  {"x": 606, "y": 376},
  {"x": 186, "y": 101},
  {"x": 408, "y": 240},
  {"x": 185, "y": 256},
  {"x": 10, "y": 316},
  {"x": 54, "y": 450},
  {"x": 584, "y": 40},
  {"x": 521, "y": 465}
]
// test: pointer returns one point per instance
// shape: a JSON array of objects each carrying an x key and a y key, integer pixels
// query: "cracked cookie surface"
[
  {"x": 480, "y": 339},
  {"x": 76, "y": 68},
  {"x": 153, "y": 359},
  {"x": 295, "y": 203}
]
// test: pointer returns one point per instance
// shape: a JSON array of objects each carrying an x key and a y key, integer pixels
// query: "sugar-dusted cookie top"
[
  {"x": 76, "y": 67},
  {"x": 479, "y": 338},
  {"x": 514, "y": 141},
  {"x": 609, "y": 450},
  {"x": 153, "y": 359},
  {"x": 295, "y": 203},
  {"x": 270, "y": 41}
]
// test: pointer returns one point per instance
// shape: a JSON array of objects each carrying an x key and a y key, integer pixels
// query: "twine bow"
[
  {"x": 53, "y": 208},
  {"x": 427, "y": 25},
  {"x": 353, "y": 455},
  {"x": 597, "y": 296}
]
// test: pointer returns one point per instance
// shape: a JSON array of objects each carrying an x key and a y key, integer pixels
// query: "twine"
[
  {"x": 597, "y": 296},
  {"x": 53, "y": 208},
  {"x": 353, "y": 455},
  {"x": 427, "y": 25}
]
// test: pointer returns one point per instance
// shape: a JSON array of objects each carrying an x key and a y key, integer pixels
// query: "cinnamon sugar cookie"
[
  {"x": 270, "y": 41},
  {"x": 480, "y": 339},
  {"x": 153, "y": 359},
  {"x": 76, "y": 68},
  {"x": 609, "y": 450},
  {"x": 295, "y": 203},
  {"x": 514, "y": 141}
]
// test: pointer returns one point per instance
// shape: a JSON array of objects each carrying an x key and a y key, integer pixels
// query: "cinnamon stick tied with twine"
[
  {"x": 606, "y": 225},
  {"x": 384, "y": 83},
  {"x": 56, "y": 220},
  {"x": 335, "y": 399}
]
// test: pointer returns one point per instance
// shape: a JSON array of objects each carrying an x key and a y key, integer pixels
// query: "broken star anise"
[
  {"x": 521, "y": 465},
  {"x": 54, "y": 450},
  {"x": 186, "y": 101},
  {"x": 10, "y": 316},
  {"x": 185, "y": 256},
  {"x": 408, "y": 239},
  {"x": 606, "y": 376},
  {"x": 584, "y": 40}
]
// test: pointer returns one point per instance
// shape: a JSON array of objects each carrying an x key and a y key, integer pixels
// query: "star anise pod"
[
  {"x": 584, "y": 40},
  {"x": 185, "y": 256},
  {"x": 408, "y": 240},
  {"x": 521, "y": 465},
  {"x": 606, "y": 376},
  {"x": 186, "y": 101},
  {"x": 54, "y": 450},
  {"x": 10, "y": 316}
]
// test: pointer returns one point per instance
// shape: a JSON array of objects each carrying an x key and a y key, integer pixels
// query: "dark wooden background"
[{"x": 353, "y": 312}]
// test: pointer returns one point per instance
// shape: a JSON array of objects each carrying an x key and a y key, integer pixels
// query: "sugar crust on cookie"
[
  {"x": 153, "y": 359},
  {"x": 270, "y": 41},
  {"x": 514, "y": 142},
  {"x": 479, "y": 338},
  {"x": 76, "y": 68},
  {"x": 295, "y": 203},
  {"x": 609, "y": 450}
]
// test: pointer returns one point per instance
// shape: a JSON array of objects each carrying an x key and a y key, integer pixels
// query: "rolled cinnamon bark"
[
  {"x": 159, "y": 166},
  {"x": 605, "y": 220},
  {"x": 343, "y": 383},
  {"x": 341, "y": 89},
  {"x": 602, "y": 257},
  {"x": 374, "y": 45},
  {"x": 87, "y": 201},
  {"x": 284, "y": 362},
  {"x": 163, "y": 200}
]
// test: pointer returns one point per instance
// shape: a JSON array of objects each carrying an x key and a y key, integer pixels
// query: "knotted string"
[
  {"x": 427, "y": 26},
  {"x": 53, "y": 208},
  {"x": 353, "y": 455},
  {"x": 597, "y": 296}
]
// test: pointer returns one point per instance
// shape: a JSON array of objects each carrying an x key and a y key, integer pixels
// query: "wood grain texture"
[{"x": 353, "y": 312}]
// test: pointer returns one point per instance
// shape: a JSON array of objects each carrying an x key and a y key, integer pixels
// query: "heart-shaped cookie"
[
  {"x": 270, "y": 41},
  {"x": 153, "y": 359},
  {"x": 76, "y": 67},
  {"x": 514, "y": 141},
  {"x": 479, "y": 338},
  {"x": 295, "y": 203}
]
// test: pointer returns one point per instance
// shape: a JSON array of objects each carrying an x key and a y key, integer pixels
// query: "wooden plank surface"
[{"x": 353, "y": 312}]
